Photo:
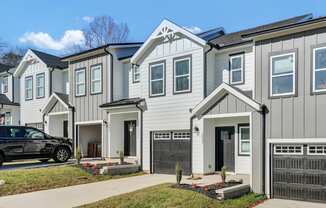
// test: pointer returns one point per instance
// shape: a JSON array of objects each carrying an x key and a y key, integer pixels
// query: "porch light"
[
  {"x": 196, "y": 129},
  {"x": 131, "y": 128}
]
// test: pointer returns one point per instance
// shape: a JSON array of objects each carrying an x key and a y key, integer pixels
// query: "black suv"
[{"x": 20, "y": 142}]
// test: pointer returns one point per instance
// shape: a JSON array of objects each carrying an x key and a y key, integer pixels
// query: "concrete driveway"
[{"x": 281, "y": 203}]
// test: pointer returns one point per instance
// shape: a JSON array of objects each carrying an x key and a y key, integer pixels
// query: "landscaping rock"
[
  {"x": 233, "y": 191},
  {"x": 2, "y": 182}
]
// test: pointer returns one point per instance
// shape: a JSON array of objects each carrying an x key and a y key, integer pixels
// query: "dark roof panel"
[
  {"x": 4, "y": 67},
  {"x": 51, "y": 60},
  {"x": 63, "y": 97},
  {"x": 130, "y": 101},
  {"x": 123, "y": 53},
  {"x": 211, "y": 34},
  {"x": 236, "y": 37},
  {"x": 4, "y": 100}
]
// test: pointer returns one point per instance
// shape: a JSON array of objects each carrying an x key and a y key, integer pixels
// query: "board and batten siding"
[
  {"x": 58, "y": 107},
  {"x": 87, "y": 107},
  {"x": 169, "y": 112},
  {"x": 302, "y": 116}
]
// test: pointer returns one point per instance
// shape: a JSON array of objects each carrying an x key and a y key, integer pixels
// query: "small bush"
[
  {"x": 78, "y": 155},
  {"x": 178, "y": 172},
  {"x": 223, "y": 174},
  {"x": 121, "y": 156}
]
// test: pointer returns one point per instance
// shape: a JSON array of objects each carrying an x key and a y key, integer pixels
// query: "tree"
[
  {"x": 103, "y": 30},
  {"x": 12, "y": 56}
]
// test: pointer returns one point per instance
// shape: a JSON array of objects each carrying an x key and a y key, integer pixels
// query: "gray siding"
[
  {"x": 302, "y": 116},
  {"x": 87, "y": 107},
  {"x": 58, "y": 107}
]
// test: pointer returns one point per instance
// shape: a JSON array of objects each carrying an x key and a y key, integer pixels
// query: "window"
[
  {"x": 17, "y": 132},
  {"x": 8, "y": 118},
  {"x": 319, "y": 69},
  {"x": 244, "y": 139},
  {"x": 33, "y": 134},
  {"x": 317, "y": 150},
  {"x": 157, "y": 79},
  {"x": 29, "y": 88},
  {"x": 40, "y": 82},
  {"x": 288, "y": 149},
  {"x": 162, "y": 135},
  {"x": 5, "y": 84},
  {"x": 96, "y": 79},
  {"x": 282, "y": 75},
  {"x": 182, "y": 75},
  {"x": 236, "y": 69},
  {"x": 80, "y": 79},
  {"x": 181, "y": 135},
  {"x": 135, "y": 74}
]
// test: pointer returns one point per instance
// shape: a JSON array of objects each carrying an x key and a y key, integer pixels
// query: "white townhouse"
[{"x": 40, "y": 75}]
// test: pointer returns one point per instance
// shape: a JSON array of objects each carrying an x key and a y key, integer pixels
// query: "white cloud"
[
  {"x": 88, "y": 19},
  {"x": 46, "y": 41},
  {"x": 193, "y": 29}
]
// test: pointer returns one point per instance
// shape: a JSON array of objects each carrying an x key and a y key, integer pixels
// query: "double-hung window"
[
  {"x": 236, "y": 69},
  {"x": 96, "y": 79},
  {"x": 5, "y": 84},
  {"x": 40, "y": 88},
  {"x": 182, "y": 75},
  {"x": 319, "y": 69},
  {"x": 135, "y": 74},
  {"x": 80, "y": 82},
  {"x": 244, "y": 140},
  {"x": 157, "y": 79},
  {"x": 29, "y": 88},
  {"x": 282, "y": 74}
]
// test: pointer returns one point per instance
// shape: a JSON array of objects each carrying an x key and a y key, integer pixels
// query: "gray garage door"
[
  {"x": 168, "y": 149},
  {"x": 299, "y": 172}
]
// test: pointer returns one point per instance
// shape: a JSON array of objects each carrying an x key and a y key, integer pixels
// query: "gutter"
[
  {"x": 141, "y": 136},
  {"x": 211, "y": 46},
  {"x": 111, "y": 72},
  {"x": 12, "y": 86}
]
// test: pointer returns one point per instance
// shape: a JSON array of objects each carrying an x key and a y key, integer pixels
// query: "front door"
[
  {"x": 130, "y": 138},
  {"x": 224, "y": 148},
  {"x": 65, "y": 129}
]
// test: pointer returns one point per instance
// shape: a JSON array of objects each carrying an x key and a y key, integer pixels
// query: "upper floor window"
[
  {"x": 244, "y": 139},
  {"x": 236, "y": 69},
  {"x": 282, "y": 74},
  {"x": 319, "y": 69},
  {"x": 182, "y": 75},
  {"x": 5, "y": 84},
  {"x": 40, "y": 88},
  {"x": 135, "y": 74},
  {"x": 157, "y": 79},
  {"x": 96, "y": 79},
  {"x": 80, "y": 82},
  {"x": 29, "y": 88}
]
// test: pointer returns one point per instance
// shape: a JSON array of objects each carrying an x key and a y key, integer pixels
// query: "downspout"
[
  {"x": 211, "y": 46},
  {"x": 191, "y": 140},
  {"x": 111, "y": 72},
  {"x": 73, "y": 128},
  {"x": 141, "y": 136},
  {"x": 264, "y": 111},
  {"x": 12, "y": 86},
  {"x": 50, "y": 84}
]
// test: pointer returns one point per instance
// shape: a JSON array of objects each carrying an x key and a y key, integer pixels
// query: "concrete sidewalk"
[
  {"x": 73, "y": 196},
  {"x": 281, "y": 203}
]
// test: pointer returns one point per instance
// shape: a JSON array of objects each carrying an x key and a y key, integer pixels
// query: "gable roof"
[
  {"x": 218, "y": 93},
  {"x": 60, "y": 97},
  {"x": 51, "y": 60},
  {"x": 4, "y": 68},
  {"x": 4, "y": 100},
  {"x": 166, "y": 29},
  {"x": 235, "y": 38}
]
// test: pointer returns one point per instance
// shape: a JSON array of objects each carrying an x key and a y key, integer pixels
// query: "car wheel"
[
  {"x": 44, "y": 160},
  {"x": 62, "y": 154},
  {"x": 2, "y": 159}
]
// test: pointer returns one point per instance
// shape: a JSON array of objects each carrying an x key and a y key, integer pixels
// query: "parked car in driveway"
[{"x": 20, "y": 142}]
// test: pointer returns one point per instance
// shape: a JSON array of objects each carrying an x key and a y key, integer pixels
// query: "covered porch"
[{"x": 125, "y": 129}]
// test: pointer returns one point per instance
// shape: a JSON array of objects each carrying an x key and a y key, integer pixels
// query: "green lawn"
[
  {"x": 28, "y": 180},
  {"x": 164, "y": 196}
]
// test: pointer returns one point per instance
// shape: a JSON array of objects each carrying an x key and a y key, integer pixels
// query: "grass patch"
[
  {"x": 164, "y": 196},
  {"x": 28, "y": 180}
]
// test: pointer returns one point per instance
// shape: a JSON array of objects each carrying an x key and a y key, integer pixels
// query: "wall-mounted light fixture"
[{"x": 196, "y": 129}]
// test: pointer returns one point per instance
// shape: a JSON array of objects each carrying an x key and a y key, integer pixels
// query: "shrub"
[
  {"x": 178, "y": 172},
  {"x": 223, "y": 174},
  {"x": 121, "y": 156},
  {"x": 78, "y": 155}
]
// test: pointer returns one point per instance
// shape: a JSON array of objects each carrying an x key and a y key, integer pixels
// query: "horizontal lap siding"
[
  {"x": 295, "y": 117},
  {"x": 170, "y": 112}
]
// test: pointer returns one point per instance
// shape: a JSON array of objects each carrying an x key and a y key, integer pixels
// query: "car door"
[
  {"x": 37, "y": 144},
  {"x": 13, "y": 142}
]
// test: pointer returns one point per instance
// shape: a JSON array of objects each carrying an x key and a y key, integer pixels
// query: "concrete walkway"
[
  {"x": 73, "y": 196},
  {"x": 281, "y": 203}
]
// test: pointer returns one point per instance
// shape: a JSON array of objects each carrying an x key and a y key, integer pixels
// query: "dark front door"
[
  {"x": 65, "y": 129},
  {"x": 224, "y": 148},
  {"x": 130, "y": 138}
]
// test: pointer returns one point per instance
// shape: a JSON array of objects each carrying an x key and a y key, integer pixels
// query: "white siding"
[
  {"x": 59, "y": 81},
  {"x": 169, "y": 112}
]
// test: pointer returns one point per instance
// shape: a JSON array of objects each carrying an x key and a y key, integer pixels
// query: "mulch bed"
[{"x": 209, "y": 190}]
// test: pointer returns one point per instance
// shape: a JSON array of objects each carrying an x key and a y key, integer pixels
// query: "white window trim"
[
  {"x": 40, "y": 86},
  {"x": 183, "y": 75},
  {"x": 168, "y": 133},
  {"x": 153, "y": 80},
  {"x": 98, "y": 66},
  {"x": 293, "y": 73},
  {"x": 77, "y": 71},
  {"x": 5, "y": 86},
  {"x": 316, "y": 70},
  {"x": 135, "y": 71},
  {"x": 316, "y": 145},
  {"x": 240, "y": 140},
  {"x": 27, "y": 89},
  {"x": 237, "y": 69},
  {"x": 288, "y": 153}
]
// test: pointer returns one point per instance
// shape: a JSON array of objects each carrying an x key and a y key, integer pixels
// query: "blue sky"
[{"x": 53, "y": 18}]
